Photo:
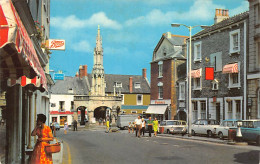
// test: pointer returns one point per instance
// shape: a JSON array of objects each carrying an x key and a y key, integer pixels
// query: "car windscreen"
[
  {"x": 172, "y": 123},
  {"x": 257, "y": 124}
]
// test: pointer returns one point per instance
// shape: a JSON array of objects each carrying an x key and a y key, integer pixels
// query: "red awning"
[
  {"x": 230, "y": 68},
  {"x": 196, "y": 73},
  {"x": 17, "y": 54}
]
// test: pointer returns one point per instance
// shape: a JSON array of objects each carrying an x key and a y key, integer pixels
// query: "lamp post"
[{"x": 189, "y": 72}]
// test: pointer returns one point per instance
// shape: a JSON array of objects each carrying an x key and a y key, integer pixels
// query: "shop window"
[
  {"x": 238, "y": 109},
  {"x": 230, "y": 106},
  {"x": 133, "y": 112},
  {"x": 203, "y": 109}
]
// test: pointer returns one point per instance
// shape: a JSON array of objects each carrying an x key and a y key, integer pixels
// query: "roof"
[
  {"x": 224, "y": 23},
  {"x": 124, "y": 79},
  {"x": 78, "y": 86}
]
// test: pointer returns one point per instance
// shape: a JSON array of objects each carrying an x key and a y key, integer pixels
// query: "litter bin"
[
  {"x": 231, "y": 134},
  {"x": 161, "y": 129}
]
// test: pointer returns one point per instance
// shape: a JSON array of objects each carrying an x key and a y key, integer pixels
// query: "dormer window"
[
  {"x": 215, "y": 84},
  {"x": 70, "y": 90},
  {"x": 118, "y": 84},
  {"x": 137, "y": 85}
]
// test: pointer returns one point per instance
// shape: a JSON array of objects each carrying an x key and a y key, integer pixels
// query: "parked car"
[
  {"x": 56, "y": 125},
  {"x": 179, "y": 128},
  {"x": 123, "y": 120},
  {"x": 204, "y": 126},
  {"x": 222, "y": 130},
  {"x": 251, "y": 130},
  {"x": 166, "y": 125}
]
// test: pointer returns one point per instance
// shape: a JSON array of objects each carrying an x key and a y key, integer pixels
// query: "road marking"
[{"x": 69, "y": 155}]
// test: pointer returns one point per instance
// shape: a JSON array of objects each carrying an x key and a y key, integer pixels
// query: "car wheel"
[
  {"x": 209, "y": 133},
  {"x": 193, "y": 133},
  {"x": 220, "y": 135}
]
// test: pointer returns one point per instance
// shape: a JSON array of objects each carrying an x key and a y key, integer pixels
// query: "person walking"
[
  {"x": 44, "y": 137},
  {"x": 150, "y": 126},
  {"x": 129, "y": 127},
  {"x": 143, "y": 126},
  {"x": 138, "y": 123},
  {"x": 108, "y": 124},
  {"x": 65, "y": 127},
  {"x": 75, "y": 125},
  {"x": 155, "y": 126}
]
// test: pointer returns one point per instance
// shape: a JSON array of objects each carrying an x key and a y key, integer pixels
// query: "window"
[
  {"x": 258, "y": 102},
  {"x": 234, "y": 79},
  {"x": 257, "y": 14},
  {"x": 195, "y": 110},
  {"x": 139, "y": 99},
  {"x": 123, "y": 99},
  {"x": 197, "y": 51},
  {"x": 53, "y": 104},
  {"x": 203, "y": 109},
  {"x": 182, "y": 91},
  {"x": 234, "y": 37},
  {"x": 215, "y": 84},
  {"x": 137, "y": 85},
  {"x": 123, "y": 111},
  {"x": 118, "y": 84},
  {"x": 160, "y": 69},
  {"x": 196, "y": 83},
  {"x": 229, "y": 112},
  {"x": 216, "y": 61},
  {"x": 160, "y": 92},
  {"x": 133, "y": 111},
  {"x": 62, "y": 106},
  {"x": 238, "y": 109},
  {"x": 72, "y": 105},
  {"x": 257, "y": 54}
]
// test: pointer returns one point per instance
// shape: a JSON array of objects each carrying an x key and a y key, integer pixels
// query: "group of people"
[{"x": 140, "y": 124}]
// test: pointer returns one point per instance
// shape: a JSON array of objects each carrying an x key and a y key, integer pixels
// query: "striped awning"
[
  {"x": 230, "y": 68},
  {"x": 18, "y": 58},
  {"x": 196, "y": 73}
]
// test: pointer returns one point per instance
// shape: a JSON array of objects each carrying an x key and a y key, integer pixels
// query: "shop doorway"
[{"x": 218, "y": 112}]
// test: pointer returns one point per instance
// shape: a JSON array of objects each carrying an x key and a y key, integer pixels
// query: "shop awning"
[
  {"x": 196, "y": 73},
  {"x": 156, "y": 108},
  {"x": 17, "y": 54},
  {"x": 230, "y": 68}
]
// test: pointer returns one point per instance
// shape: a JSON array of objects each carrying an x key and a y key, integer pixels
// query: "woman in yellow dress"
[
  {"x": 155, "y": 126},
  {"x": 39, "y": 156}
]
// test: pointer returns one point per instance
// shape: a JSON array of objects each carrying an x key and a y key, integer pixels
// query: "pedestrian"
[
  {"x": 138, "y": 124},
  {"x": 100, "y": 121},
  {"x": 65, "y": 127},
  {"x": 2, "y": 122},
  {"x": 143, "y": 126},
  {"x": 150, "y": 126},
  {"x": 52, "y": 127},
  {"x": 155, "y": 126},
  {"x": 129, "y": 127},
  {"x": 75, "y": 125},
  {"x": 133, "y": 127},
  {"x": 108, "y": 125},
  {"x": 44, "y": 137}
]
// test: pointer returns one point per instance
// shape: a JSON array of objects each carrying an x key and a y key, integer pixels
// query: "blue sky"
[{"x": 130, "y": 29}]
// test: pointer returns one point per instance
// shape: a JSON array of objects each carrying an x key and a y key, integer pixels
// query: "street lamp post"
[{"x": 189, "y": 73}]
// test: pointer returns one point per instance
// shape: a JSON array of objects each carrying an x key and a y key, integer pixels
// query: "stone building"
[
  {"x": 222, "y": 46},
  {"x": 253, "y": 76},
  {"x": 23, "y": 74},
  {"x": 167, "y": 56}
]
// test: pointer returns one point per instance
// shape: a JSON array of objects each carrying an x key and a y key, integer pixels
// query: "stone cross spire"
[{"x": 98, "y": 74}]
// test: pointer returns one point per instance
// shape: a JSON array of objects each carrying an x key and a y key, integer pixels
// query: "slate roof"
[
  {"x": 176, "y": 40},
  {"x": 224, "y": 23},
  {"x": 79, "y": 86},
  {"x": 124, "y": 79}
]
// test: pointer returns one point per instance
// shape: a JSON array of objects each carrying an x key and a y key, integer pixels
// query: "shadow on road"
[
  {"x": 251, "y": 157},
  {"x": 169, "y": 158}
]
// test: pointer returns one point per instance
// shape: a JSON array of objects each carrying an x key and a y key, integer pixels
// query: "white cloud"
[
  {"x": 200, "y": 10},
  {"x": 82, "y": 46},
  {"x": 115, "y": 52},
  {"x": 72, "y": 21},
  {"x": 244, "y": 6}
]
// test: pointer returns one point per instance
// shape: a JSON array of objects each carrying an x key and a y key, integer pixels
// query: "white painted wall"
[{"x": 57, "y": 98}]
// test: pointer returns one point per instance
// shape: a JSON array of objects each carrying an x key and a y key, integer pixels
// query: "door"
[{"x": 218, "y": 112}]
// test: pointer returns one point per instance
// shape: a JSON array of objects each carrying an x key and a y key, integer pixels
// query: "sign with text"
[
  {"x": 58, "y": 76},
  {"x": 55, "y": 44}
]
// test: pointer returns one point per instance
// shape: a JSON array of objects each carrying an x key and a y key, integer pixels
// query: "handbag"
[{"x": 53, "y": 148}]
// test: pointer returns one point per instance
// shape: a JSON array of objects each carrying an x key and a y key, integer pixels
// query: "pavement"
[{"x": 57, "y": 157}]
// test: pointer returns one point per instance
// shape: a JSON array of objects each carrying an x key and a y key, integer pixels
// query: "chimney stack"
[
  {"x": 220, "y": 15},
  {"x": 144, "y": 73},
  {"x": 85, "y": 70},
  {"x": 77, "y": 74},
  {"x": 80, "y": 72},
  {"x": 130, "y": 84}
]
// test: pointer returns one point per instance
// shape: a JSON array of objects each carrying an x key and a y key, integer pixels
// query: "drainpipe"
[{"x": 245, "y": 69}]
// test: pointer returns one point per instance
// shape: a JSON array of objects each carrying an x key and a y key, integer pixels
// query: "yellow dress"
[
  {"x": 155, "y": 125},
  {"x": 39, "y": 156}
]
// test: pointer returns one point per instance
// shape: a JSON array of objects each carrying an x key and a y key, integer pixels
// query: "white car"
[
  {"x": 222, "y": 130},
  {"x": 204, "y": 126},
  {"x": 166, "y": 125}
]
